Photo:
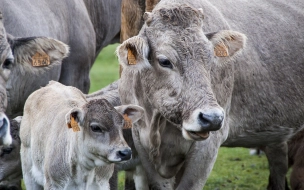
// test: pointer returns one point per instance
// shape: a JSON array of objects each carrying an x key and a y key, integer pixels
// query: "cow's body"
[
  {"x": 85, "y": 25},
  {"x": 176, "y": 72},
  {"x": 55, "y": 157}
]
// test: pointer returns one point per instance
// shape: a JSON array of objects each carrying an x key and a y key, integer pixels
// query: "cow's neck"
[
  {"x": 105, "y": 17},
  {"x": 173, "y": 147}
]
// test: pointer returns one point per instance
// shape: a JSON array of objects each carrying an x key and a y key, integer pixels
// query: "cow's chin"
[{"x": 194, "y": 135}]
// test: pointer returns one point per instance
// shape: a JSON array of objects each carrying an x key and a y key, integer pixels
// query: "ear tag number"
[
  {"x": 128, "y": 122},
  {"x": 220, "y": 50},
  {"x": 131, "y": 58},
  {"x": 40, "y": 60},
  {"x": 73, "y": 124}
]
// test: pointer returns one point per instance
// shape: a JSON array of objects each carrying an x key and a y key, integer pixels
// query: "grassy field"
[{"x": 234, "y": 169}]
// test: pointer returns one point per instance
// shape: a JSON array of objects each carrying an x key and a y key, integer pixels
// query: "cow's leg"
[
  {"x": 198, "y": 164},
  {"x": 297, "y": 174},
  {"x": 29, "y": 181},
  {"x": 129, "y": 182},
  {"x": 278, "y": 165}
]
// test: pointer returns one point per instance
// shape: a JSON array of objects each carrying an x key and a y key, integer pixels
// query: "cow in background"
[{"x": 85, "y": 25}]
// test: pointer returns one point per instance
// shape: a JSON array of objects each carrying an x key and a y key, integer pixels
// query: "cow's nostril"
[
  {"x": 125, "y": 154},
  {"x": 210, "y": 121},
  {"x": 204, "y": 120}
]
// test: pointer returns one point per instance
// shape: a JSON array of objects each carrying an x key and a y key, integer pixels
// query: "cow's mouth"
[{"x": 198, "y": 136}]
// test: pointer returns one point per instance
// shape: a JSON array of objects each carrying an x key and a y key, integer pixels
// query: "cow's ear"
[
  {"x": 74, "y": 119},
  {"x": 131, "y": 114},
  {"x": 227, "y": 42},
  {"x": 38, "y": 51},
  {"x": 133, "y": 53}
]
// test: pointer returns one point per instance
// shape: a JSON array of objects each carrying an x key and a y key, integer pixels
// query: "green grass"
[{"x": 105, "y": 69}]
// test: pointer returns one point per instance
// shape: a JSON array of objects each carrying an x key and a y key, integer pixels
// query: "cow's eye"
[
  {"x": 8, "y": 63},
  {"x": 165, "y": 63},
  {"x": 96, "y": 128},
  {"x": 6, "y": 150}
]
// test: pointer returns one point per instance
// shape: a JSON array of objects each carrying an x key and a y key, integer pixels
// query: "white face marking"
[{"x": 7, "y": 138}]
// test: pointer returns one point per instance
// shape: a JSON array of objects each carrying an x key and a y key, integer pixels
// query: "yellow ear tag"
[
  {"x": 40, "y": 59},
  {"x": 131, "y": 58},
  {"x": 220, "y": 50},
  {"x": 128, "y": 122},
  {"x": 73, "y": 124}
]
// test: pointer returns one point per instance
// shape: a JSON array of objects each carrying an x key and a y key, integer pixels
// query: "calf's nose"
[
  {"x": 211, "y": 120},
  {"x": 124, "y": 154}
]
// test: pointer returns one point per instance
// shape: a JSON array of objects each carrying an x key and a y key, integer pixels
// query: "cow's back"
[
  {"x": 45, "y": 110},
  {"x": 268, "y": 87}
]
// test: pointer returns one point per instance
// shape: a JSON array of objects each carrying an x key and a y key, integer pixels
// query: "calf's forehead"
[{"x": 102, "y": 111}]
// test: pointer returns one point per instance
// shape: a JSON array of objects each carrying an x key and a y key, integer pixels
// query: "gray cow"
[
  {"x": 184, "y": 68},
  {"x": 56, "y": 157},
  {"x": 17, "y": 55},
  {"x": 85, "y": 25},
  {"x": 10, "y": 163}
]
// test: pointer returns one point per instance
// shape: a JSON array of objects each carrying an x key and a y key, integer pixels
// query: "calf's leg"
[{"x": 26, "y": 162}]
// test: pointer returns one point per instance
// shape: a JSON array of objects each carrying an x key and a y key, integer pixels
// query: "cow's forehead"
[
  {"x": 176, "y": 16},
  {"x": 190, "y": 43}
]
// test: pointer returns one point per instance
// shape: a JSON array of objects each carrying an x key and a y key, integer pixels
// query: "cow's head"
[
  {"x": 176, "y": 63},
  {"x": 16, "y": 62},
  {"x": 100, "y": 125}
]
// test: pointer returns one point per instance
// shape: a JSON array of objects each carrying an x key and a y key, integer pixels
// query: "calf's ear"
[
  {"x": 227, "y": 43},
  {"x": 131, "y": 114},
  {"x": 38, "y": 51},
  {"x": 74, "y": 118},
  {"x": 133, "y": 53}
]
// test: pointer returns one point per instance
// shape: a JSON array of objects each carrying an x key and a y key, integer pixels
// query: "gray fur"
[
  {"x": 259, "y": 89},
  {"x": 55, "y": 157},
  {"x": 85, "y": 25}
]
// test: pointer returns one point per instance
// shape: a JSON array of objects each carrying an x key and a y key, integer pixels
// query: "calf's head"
[
  {"x": 173, "y": 61},
  {"x": 100, "y": 127}
]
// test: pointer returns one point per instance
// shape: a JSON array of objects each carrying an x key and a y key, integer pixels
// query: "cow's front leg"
[
  {"x": 278, "y": 165},
  {"x": 198, "y": 165}
]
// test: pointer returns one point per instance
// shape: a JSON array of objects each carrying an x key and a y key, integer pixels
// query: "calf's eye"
[{"x": 165, "y": 63}]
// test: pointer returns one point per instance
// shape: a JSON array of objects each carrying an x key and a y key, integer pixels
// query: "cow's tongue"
[{"x": 203, "y": 134}]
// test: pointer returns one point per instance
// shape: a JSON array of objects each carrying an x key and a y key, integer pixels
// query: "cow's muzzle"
[{"x": 199, "y": 124}]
